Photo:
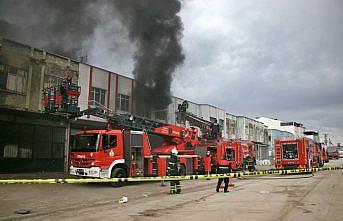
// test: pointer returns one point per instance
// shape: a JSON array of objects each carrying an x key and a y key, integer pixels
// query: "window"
[
  {"x": 290, "y": 151},
  {"x": 123, "y": 102},
  {"x": 221, "y": 123},
  {"x": 85, "y": 143},
  {"x": 12, "y": 78},
  {"x": 98, "y": 96},
  {"x": 109, "y": 141},
  {"x": 161, "y": 115},
  {"x": 230, "y": 154},
  {"x": 10, "y": 151},
  {"x": 3, "y": 77}
]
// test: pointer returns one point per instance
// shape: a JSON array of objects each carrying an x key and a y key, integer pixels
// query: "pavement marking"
[{"x": 167, "y": 178}]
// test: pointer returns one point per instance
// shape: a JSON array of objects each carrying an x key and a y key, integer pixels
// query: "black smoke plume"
[
  {"x": 65, "y": 27},
  {"x": 60, "y": 26},
  {"x": 156, "y": 29}
]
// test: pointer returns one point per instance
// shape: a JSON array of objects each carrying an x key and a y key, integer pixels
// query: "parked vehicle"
[
  {"x": 333, "y": 152},
  {"x": 298, "y": 153}
]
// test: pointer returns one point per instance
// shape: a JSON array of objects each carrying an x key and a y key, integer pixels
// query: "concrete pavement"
[{"x": 264, "y": 198}]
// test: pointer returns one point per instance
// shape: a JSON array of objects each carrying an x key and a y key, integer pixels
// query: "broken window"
[
  {"x": 12, "y": 78},
  {"x": 3, "y": 77}
]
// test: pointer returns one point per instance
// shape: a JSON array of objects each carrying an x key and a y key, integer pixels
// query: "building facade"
[
  {"x": 251, "y": 130},
  {"x": 31, "y": 141},
  {"x": 231, "y": 126},
  {"x": 274, "y": 135},
  {"x": 34, "y": 141},
  {"x": 278, "y": 130}
]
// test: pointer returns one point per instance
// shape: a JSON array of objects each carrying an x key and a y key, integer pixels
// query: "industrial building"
[
  {"x": 251, "y": 130},
  {"x": 29, "y": 140},
  {"x": 278, "y": 130},
  {"x": 34, "y": 141}
]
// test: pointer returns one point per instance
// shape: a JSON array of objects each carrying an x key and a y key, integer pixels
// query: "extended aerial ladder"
[
  {"x": 62, "y": 100},
  {"x": 184, "y": 118},
  {"x": 58, "y": 102}
]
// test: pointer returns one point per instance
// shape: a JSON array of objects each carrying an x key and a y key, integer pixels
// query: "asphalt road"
[{"x": 302, "y": 197}]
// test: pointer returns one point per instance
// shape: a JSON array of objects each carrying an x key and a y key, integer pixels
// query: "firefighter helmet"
[{"x": 174, "y": 151}]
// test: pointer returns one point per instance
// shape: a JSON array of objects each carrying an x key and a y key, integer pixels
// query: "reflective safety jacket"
[
  {"x": 223, "y": 168},
  {"x": 173, "y": 166}
]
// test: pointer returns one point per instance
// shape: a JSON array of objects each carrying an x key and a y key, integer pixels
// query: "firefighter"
[
  {"x": 215, "y": 129},
  {"x": 69, "y": 80},
  {"x": 63, "y": 90},
  {"x": 222, "y": 168},
  {"x": 173, "y": 170}
]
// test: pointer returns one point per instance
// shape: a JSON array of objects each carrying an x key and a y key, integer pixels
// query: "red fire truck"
[
  {"x": 325, "y": 154},
  {"x": 333, "y": 152},
  {"x": 139, "y": 147},
  {"x": 298, "y": 153},
  {"x": 131, "y": 153},
  {"x": 241, "y": 156}
]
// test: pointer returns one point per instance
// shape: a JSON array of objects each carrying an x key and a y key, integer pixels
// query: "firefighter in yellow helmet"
[{"x": 173, "y": 170}]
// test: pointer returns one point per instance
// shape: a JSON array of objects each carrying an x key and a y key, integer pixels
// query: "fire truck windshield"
[{"x": 85, "y": 143}]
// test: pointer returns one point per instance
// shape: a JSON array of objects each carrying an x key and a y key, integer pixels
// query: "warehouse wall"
[
  {"x": 112, "y": 83},
  {"x": 32, "y": 141},
  {"x": 25, "y": 71}
]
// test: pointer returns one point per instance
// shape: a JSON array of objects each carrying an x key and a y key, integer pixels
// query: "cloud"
[
  {"x": 280, "y": 59},
  {"x": 268, "y": 58}
]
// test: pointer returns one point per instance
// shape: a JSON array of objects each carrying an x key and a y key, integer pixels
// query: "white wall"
[
  {"x": 297, "y": 131},
  {"x": 270, "y": 123},
  {"x": 124, "y": 85},
  {"x": 100, "y": 79},
  {"x": 84, "y": 73},
  {"x": 276, "y": 124}
]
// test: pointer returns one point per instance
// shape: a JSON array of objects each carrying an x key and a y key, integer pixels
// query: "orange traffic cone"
[{"x": 231, "y": 184}]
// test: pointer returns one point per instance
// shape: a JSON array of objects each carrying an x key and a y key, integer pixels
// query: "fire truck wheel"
[{"x": 118, "y": 173}]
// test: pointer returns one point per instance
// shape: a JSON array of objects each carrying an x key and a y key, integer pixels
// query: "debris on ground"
[
  {"x": 22, "y": 211},
  {"x": 264, "y": 192},
  {"x": 123, "y": 199}
]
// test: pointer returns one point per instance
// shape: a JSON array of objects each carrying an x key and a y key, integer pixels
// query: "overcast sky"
[{"x": 280, "y": 59}]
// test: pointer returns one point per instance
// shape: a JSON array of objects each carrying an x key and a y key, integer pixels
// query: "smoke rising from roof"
[
  {"x": 58, "y": 26},
  {"x": 70, "y": 28},
  {"x": 156, "y": 29}
]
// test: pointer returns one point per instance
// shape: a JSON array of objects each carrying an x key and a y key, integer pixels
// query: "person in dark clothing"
[
  {"x": 215, "y": 129},
  {"x": 221, "y": 169},
  {"x": 173, "y": 170}
]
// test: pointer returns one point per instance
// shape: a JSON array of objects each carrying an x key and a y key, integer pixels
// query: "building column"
[
  {"x": 116, "y": 94},
  {"x": 28, "y": 89},
  {"x": 108, "y": 90},
  {"x": 66, "y": 148},
  {"x": 90, "y": 88},
  {"x": 132, "y": 95},
  {"x": 41, "y": 87}
]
